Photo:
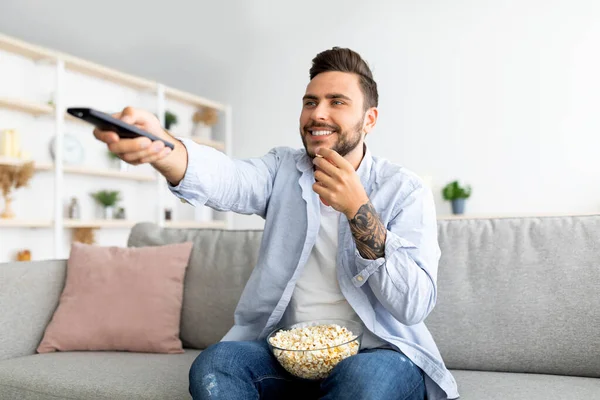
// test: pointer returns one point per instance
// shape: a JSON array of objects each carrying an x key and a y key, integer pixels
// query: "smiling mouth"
[{"x": 320, "y": 132}]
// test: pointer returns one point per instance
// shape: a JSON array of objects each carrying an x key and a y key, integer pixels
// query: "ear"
[{"x": 370, "y": 119}]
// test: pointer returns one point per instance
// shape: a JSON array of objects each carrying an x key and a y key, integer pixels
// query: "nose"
[{"x": 319, "y": 113}]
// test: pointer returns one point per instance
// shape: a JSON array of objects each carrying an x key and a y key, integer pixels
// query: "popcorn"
[{"x": 312, "y": 352}]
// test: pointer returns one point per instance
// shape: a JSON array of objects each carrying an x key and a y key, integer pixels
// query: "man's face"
[{"x": 332, "y": 113}]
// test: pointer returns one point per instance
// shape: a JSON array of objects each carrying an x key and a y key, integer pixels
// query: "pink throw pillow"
[{"x": 126, "y": 299}]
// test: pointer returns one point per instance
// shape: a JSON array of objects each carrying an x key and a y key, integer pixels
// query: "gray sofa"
[{"x": 518, "y": 314}]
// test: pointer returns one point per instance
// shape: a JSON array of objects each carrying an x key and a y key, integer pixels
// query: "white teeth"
[{"x": 321, "y": 133}]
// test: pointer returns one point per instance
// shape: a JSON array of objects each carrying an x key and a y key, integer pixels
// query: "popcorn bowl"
[{"x": 310, "y": 350}]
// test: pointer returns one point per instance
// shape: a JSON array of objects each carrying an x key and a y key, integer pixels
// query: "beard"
[{"x": 347, "y": 140}]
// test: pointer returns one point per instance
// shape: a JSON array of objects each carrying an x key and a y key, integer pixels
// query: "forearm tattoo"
[{"x": 369, "y": 233}]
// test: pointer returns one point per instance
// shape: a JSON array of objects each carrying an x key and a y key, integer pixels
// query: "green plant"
[
  {"x": 106, "y": 198},
  {"x": 170, "y": 119},
  {"x": 453, "y": 191}
]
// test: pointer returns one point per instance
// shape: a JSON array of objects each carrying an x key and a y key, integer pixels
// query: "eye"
[
  {"x": 310, "y": 103},
  {"x": 337, "y": 102}
]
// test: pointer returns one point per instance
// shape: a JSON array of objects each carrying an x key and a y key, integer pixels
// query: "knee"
[
  {"x": 395, "y": 374},
  {"x": 213, "y": 358},
  {"x": 350, "y": 370},
  {"x": 205, "y": 368}
]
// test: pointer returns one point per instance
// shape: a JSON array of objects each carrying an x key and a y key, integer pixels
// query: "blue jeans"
[{"x": 248, "y": 370}]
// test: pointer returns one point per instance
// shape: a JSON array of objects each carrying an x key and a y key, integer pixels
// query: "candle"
[
  {"x": 16, "y": 143},
  {"x": 6, "y": 143}
]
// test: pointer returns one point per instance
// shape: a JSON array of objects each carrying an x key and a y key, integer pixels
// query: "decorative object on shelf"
[
  {"x": 456, "y": 194},
  {"x": 170, "y": 119},
  {"x": 13, "y": 176},
  {"x": 74, "y": 209},
  {"x": 120, "y": 213},
  {"x": 84, "y": 235},
  {"x": 107, "y": 199},
  {"x": 204, "y": 119},
  {"x": 11, "y": 143},
  {"x": 168, "y": 214},
  {"x": 73, "y": 152},
  {"x": 24, "y": 255}
]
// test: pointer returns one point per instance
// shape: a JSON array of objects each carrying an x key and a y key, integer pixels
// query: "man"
[{"x": 346, "y": 236}]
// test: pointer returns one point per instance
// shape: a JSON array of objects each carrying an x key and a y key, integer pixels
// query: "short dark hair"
[{"x": 346, "y": 60}]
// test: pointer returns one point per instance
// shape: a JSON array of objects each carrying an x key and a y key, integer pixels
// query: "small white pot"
[{"x": 109, "y": 212}]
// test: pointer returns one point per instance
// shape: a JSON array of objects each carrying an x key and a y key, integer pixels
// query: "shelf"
[
  {"x": 99, "y": 223},
  {"x": 25, "y": 106},
  {"x": 105, "y": 173},
  {"x": 89, "y": 68},
  {"x": 212, "y": 143},
  {"x": 98, "y": 71},
  {"x": 12, "y": 161},
  {"x": 25, "y": 49},
  {"x": 72, "y": 63},
  {"x": 195, "y": 224},
  {"x": 178, "y": 95},
  {"x": 37, "y": 109},
  {"x": 21, "y": 223}
]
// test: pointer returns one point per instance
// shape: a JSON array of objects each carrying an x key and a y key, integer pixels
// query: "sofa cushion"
[
  {"x": 477, "y": 385},
  {"x": 97, "y": 375},
  {"x": 120, "y": 299},
  {"x": 519, "y": 295},
  {"x": 219, "y": 267}
]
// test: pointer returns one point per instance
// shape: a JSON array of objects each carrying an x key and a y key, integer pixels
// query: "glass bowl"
[{"x": 309, "y": 358}]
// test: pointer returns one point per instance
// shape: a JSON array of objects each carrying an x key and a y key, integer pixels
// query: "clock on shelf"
[{"x": 72, "y": 151}]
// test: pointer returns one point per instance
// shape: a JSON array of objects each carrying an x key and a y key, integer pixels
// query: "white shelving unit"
[{"x": 164, "y": 97}]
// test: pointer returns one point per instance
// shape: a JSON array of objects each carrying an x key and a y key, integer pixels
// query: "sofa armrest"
[{"x": 29, "y": 294}]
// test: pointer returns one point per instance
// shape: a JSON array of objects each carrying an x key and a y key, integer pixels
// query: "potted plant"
[
  {"x": 204, "y": 119},
  {"x": 170, "y": 119},
  {"x": 107, "y": 199},
  {"x": 456, "y": 194}
]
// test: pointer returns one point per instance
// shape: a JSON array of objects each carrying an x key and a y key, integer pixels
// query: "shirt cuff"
[
  {"x": 189, "y": 190},
  {"x": 368, "y": 267}
]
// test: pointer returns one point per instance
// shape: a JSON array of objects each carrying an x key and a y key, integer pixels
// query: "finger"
[
  {"x": 325, "y": 166},
  {"x": 334, "y": 157},
  {"x": 155, "y": 148},
  {"x": 129, "y": 115},
  {"x": 126, "y": 146},
  {"x": 324, "y": 179},
  {"x": 320, "y": 189},
  {"x": 107, "y": 137},
  {"x": 158, "y": 156}
]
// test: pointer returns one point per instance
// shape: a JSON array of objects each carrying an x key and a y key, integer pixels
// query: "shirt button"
[
  {"x": 183, "y": 201},
  {"x": 359, "y": 278}
]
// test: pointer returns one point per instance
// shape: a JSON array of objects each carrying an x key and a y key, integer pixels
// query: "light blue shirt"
[{"x": 392, "y": 295}]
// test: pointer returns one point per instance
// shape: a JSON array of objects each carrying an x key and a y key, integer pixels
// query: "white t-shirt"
[{"x": 317, "y": 294}]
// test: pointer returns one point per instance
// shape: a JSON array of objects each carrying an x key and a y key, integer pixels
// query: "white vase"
[
  {"x": 202, "y": 131},
  {"x": 109, "y": 212}
]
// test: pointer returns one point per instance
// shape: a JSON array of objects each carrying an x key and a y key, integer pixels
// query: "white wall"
[
  {"x": 504, "y": 97},
  {"x": 500, "y": 94}
]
